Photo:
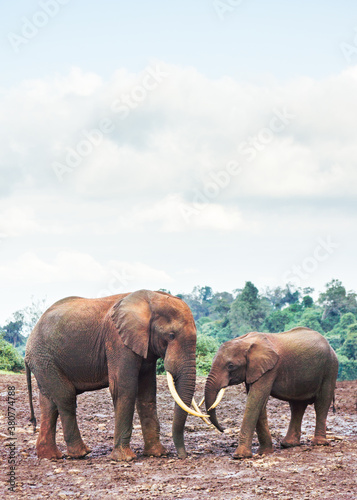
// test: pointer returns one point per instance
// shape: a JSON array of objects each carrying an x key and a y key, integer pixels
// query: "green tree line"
[
  {"x": 221, "y": 316},
  {"x": 14, "y": 333}
]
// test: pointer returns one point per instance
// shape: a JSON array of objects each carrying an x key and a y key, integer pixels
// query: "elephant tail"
[
  {"x": 29, "y": 388},
  {"x": 333, "y": 403}
]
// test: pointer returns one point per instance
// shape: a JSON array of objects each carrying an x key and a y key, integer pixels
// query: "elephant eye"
[
  {"x": 230, "y": 366},
  {"x": 171, "y": 336}
]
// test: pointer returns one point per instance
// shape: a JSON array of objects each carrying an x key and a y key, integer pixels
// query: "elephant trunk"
[
  {"x": 212, "y": 389},
  {"x": 185, "y": 385}
]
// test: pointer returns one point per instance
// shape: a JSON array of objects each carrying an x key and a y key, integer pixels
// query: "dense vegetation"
[
  {"x": 221, "y": 316},
  {"x": 13, "y": 336},
  {"x": 10, "y": 359}
]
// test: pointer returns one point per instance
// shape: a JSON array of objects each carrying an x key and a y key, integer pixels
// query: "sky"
[{"x": 174, "y": 144}]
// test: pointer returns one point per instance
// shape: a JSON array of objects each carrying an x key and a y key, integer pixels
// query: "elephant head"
[
  {"x": 158, "y": 325},
  {"x": 244, "y": 359}
]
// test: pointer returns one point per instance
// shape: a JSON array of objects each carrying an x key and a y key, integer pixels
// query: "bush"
[
  {"x": 334, "y": 340},
  {"x": 206, "y": 349},
  {"x": 347, "y": 369},
  {"x": 349, "y": 347},
  {"x": 160, "y": 370},
  {"x": 9, "y": 357},
  {"x": 214, "y": 329},
  {"x": 276, "y": 321},
  {"x": 343, "y": 326}
]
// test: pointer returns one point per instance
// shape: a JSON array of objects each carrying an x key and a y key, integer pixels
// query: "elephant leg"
[
  {"x": 46, "y": 442},
  {"x": 264, "y": 436},
  {"x": 123, "y": 386},
  {"x": 146, "y": 406},
  {"x": 293, "y": 435},
  {"x": 66, "y": 404},
  {"x": 257, "y": 399},
  {"x": 322, "y": 405}
]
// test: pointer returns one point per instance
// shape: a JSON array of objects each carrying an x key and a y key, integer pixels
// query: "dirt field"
[{"x": 209, "y": 472}]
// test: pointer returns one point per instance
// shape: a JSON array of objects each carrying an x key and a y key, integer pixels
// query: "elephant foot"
[
  {"x": 122, "y": 454},
  {"x": 78, "y": 451},
  {"x": 242, "y": 452},
  {"x": 182, "y": 454},
  {"x": 289, "y": 443},
  {"x": 265, "y": 450},
  {"x": 320, "y": 441},
  {"x": 49, "y": 452},
  {"x": 155, "y": 451}
]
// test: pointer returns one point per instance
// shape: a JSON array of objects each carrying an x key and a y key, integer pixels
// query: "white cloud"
[
  {"x": 17, "y": 220},
  {"x": 113, "y": 276},
  {"x": 174, "y": 214},
  {"x": 64, "y": 267},
  {"x": 162, "y": 170},
  {"x": 173, "y": 135},
  {"x": 77, "y": 83},
  {"x": 129, "y": 276}
]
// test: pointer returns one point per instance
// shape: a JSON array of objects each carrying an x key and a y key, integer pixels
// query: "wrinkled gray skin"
[
  {"x": 83, "y": 345},
  {"x": 297, "y": 366}
]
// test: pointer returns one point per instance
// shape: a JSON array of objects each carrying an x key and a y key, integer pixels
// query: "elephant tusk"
[
  {"x": 196, "y": 407},
  {"x": 218, "y": 399},
  {"x": 174, "y": 394},
  {"x": 208, "y": 422},
  {"x": 201, "y": 402}
]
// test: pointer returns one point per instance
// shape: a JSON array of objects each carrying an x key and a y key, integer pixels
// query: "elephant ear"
[
  {"x": 261, "y": 357},
  {"x": 132, "y": 317}
]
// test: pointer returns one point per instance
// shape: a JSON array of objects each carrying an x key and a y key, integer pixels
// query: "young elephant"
[
  {"x": 83, "y": 345},
  {"x": 298, "y": 366}
]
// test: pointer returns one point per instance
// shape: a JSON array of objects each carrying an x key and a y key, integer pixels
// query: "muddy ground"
[{"x": 209, "y": 472}]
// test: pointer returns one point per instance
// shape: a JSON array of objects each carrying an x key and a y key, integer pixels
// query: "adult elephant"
[
  {"x": 83, "y": 345},
  {"x": 297, "y": 366}
]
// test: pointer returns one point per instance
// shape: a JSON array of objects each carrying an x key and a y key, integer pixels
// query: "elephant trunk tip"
[
  {"x": 214, "y": 421},
  {"x": 213, "y": 396}
]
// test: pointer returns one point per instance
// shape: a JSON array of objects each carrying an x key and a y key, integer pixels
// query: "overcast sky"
[{"x": 171, "y": 144}]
